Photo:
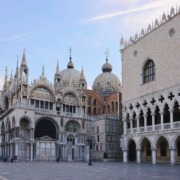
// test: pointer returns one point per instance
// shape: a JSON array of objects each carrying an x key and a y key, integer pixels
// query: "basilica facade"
[
  {"x": 151, "y": 92},
  {"x": 50, "y": 121}
]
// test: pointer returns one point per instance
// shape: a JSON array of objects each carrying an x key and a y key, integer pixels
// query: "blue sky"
[{"x": 47, "y": 28}]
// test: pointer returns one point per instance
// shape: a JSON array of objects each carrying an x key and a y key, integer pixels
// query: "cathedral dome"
[
  {"x": 70, "y": 76},
  {"x": 107, "y": 82}
]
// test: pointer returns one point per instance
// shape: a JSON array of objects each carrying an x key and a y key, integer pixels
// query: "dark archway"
[
  {"x": 146, "y": 150},
  {"x": 132, "y": 151},
  {"x": 163, "y": 153},
  {"x": 45, "y": 128}
]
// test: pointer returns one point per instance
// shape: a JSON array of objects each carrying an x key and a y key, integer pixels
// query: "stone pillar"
[
  {"x": 153, "y": 121},
  {"x": 173, "y": 159},
  {"x": 31, "y": 158},
  {"x": 138, "y": 152},
  {"x": 145, "y": 122},
  {"x": 125, "y": 127},
  {"x": 162, "y": 120},
  {"x": 153, "y": 156},
  {"x": 131, "y": 126},
  {"x": 137, "y": 124},
  {"x": 125, "y": 156},
  {"x": 171, "y": 119},
  {"x": 16, "y": 150}
]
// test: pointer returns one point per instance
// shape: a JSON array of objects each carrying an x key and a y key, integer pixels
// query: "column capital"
[{"x": 153, "y": 149}]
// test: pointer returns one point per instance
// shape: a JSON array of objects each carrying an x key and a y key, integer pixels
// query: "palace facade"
[{"x": 151, "y": 92}]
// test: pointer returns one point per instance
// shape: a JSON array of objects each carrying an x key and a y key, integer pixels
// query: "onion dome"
[
  {"x": 107, "y": 82},
  {"x": 70, "y": 65},
  {"x": 107, "y": 67}
]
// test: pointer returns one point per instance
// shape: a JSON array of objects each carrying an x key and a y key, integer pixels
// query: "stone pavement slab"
[{"x": 81, "y": 171}]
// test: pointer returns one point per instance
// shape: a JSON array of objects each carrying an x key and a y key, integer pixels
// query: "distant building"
[
  {"x": 151, "y": 92},
  {"x": 45, "y": 121}
]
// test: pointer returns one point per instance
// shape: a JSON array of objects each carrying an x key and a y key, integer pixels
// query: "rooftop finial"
[
  {"x": 107, "y": 54},
  {"x": 43, "y": 70},
  {"x": 70, "y": 64},
  {"x": 70, "y": 51}
]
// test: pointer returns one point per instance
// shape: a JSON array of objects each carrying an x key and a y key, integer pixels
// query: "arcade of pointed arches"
[
  {"x": 152, "y": 115},
  {"x": 160, "y": 148}
]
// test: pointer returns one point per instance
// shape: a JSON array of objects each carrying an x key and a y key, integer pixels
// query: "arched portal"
[
  {"x": 132, "y": 151},
  {"x": 163, "y": 153},
  {"x": 146, "y": 151},
  {"x": 46, "y": 136},
  {"x": 45, "y": 128}
]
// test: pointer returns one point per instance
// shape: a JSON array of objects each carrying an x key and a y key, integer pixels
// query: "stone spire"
[
  {"x": 17, "y": 70},
  {"x": 57, "y": 69},
  {"x": 24, "y": 63},
  {"x": 70, "y": 64},
  {"x": 6, "y": 79},
  {"x": 82, "y": 77},
  {"x": 43, "y": 71},
  {"x": 11, "y": 77}
]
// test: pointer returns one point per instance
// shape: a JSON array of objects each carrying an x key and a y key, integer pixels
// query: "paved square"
[{"x": 81, "y": 171}]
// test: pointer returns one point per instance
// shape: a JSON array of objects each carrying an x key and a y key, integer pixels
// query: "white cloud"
[
  {"x": 149, "y": 6},
  {"x": 143, "y": 18},
  {"x": 1, "y": 83}
]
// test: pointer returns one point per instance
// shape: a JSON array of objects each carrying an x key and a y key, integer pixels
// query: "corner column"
[{"x": 125, "y": 155}]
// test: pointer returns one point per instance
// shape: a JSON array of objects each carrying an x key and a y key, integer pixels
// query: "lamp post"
[{"x": 89, "y": 142}]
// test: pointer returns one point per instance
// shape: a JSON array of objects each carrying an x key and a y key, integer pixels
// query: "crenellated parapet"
[{"x": 151, "y": 27}]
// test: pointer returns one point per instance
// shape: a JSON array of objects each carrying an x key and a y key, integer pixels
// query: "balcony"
[{"x": 166, "y": 126}]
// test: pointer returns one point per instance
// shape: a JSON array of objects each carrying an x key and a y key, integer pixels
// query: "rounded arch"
[
  {"x": 46, "y": 127},
  {"x": 72, "y": 92},
  {"x": 28, "y": 119},
  {"x": 72, "y": 126},
  {"x": 50, "y": 89}
]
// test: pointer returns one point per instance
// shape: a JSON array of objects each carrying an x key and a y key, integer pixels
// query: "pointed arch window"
[{"x": 149, "y": 71}]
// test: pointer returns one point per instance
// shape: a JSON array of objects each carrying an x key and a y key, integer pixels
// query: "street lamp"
[{"x": 89, "y": 142}]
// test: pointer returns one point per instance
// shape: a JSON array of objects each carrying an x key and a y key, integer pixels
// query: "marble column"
[
  {"x": 162, "y": 120},
  {"x": 131, "y": 126},
  {"x": 171, "y": 119},
  {"x": 138, "y": 151},
  {"x": 154, "y": 156},
  {"x": 145, "y": 123},
  {"x": 173, "y": 159},
  {"x": 31, "y": 158},
  {"x": 153, "y": 121},
  {"x": 137, "y": 124},
  {"x": 125, "y": 156}
]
